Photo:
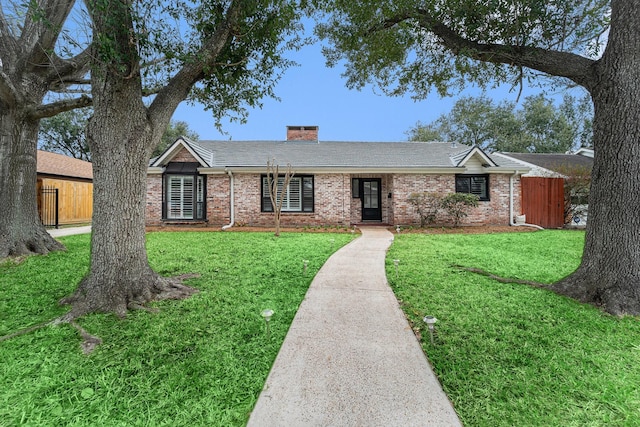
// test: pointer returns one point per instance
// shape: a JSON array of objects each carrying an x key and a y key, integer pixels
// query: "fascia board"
[{"x": 170, "y": 152}]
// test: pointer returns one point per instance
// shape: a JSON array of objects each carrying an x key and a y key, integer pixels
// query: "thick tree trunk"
[
  {"x": 609, "y": 275},
  {"x": 120, "y": 135},
  {"x": 120, "y": 275},
  {"x": 21, "y": 231}
]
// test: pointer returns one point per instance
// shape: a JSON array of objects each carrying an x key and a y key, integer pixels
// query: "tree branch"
[
  {"x": 563, "y": 64},
  {"x": 170, "y": 96},
  {"x": 8, "y": 92},
  {"x": 69, "y": 69},
  {"x": 50, "y": 110},
  {"x": 42, "y": 28}
]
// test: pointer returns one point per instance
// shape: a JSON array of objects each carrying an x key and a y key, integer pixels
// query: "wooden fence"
[
  {"x": 75, "y": 200},
  {"x": 543, "y": 201}
]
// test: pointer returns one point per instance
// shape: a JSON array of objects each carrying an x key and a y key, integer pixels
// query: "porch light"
[{"x": 431, "y": 324}]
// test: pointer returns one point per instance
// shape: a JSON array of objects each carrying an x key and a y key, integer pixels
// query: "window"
[
  {"x": 355, "y": 188},
  {"x": 474, "y": 184},
  {"x": 298, "y": 196},
  {"x": 184, "y": 197}
]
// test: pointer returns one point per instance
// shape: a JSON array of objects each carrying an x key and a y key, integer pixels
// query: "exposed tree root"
[
  {"x": 503, "y": 279},
  {"x": 90, "y": 342},
  {"x": 41, "y": 243},
  {"x": 162, "y": 289},
  {"x": 28, "y": 330}
]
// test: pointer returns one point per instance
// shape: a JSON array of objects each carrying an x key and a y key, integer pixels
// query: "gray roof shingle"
[{"x": 336, "y": 154}]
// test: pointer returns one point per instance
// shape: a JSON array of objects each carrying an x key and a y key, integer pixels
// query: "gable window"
[
  {"x": 473, "y": 184},
  {"x": 297, "y": 197},
  {"x": 184, "y": 195}
]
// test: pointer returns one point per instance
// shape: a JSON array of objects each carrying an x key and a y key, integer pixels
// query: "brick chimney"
[{"x": 302, "y": 133}]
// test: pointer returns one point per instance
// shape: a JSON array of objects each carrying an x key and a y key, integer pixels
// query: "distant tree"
[
  {"x": 175, "y": 129},
  {"x": 538, "y": 126},
  {"x": 424, "y": 133},
  {"x": 64, "y": 133},
  {"x": 579, "y": 112},
  {"x": 546, "y": 129}
]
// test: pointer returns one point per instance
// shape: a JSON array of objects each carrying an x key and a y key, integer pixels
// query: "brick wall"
[
  {"x": 154, "y": 199},
  {"x": 492, "y": 212},
  {"x": 333, "y": 202},
  {"x": 183, "y": 156}
]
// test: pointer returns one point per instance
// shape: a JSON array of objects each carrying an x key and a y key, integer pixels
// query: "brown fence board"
[
  {"x": 75, "y": 200},
  {"x": 543, "y": 201}
]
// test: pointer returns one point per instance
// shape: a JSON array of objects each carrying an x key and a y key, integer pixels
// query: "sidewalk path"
[
  {"x": 350, "y": 357},
  {"x": 68, "y": 231}
]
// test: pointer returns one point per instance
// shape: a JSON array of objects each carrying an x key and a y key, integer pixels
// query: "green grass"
[
  {"x": 201, "y": 361},
  {"x": 511, "y": 355}
]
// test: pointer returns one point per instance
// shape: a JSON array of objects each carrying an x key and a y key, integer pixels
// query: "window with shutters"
[
  {"x": 184, "y": 197},
  {"x": 297, "y": 197},
  {"x": 473, "y": 184}
]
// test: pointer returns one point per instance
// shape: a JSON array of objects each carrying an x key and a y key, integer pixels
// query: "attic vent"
[
  {"x": 302, "y": 133},
  {"x": 454, "y": 145}
]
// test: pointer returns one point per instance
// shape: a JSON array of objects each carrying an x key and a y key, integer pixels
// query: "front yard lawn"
[
  {"x": 197, "y": 362},
  {"x": 512, "y": 355}
]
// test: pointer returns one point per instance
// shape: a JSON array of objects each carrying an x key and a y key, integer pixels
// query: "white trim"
[
  {"x": 170, "y": 153},
  {"x": 477, "y": 151},
  {"x": 587, "y": 152}
]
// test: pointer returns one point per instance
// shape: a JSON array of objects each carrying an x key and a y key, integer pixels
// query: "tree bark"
[
  {"x": 21, "y": 231},
  {"x": 120, "y": 275},
  {"x": 121, "y": 135},
  {"x": 609, "y": 275}
]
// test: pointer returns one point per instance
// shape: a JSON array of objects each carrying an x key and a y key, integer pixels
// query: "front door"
[{"x": 371, "y": 199}]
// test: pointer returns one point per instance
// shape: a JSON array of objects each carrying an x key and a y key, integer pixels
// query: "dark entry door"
[{"x": 371, "y": 199}]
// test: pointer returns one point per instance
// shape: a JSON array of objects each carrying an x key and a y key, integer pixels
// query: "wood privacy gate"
[
  {"x": 64, "y": 202},
  {"x": 543, "y": 201}
]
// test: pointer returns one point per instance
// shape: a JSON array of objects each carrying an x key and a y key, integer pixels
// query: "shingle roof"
[
  {"x": 553, "y": 161},
  {"x": 60, "y": 165},
  {"x": 327, "y": 154}
]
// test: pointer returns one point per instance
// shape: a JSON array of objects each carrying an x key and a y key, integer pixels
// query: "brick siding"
[{"x": 333, "y": 202}]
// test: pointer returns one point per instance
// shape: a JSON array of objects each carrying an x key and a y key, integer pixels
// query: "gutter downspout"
[
  {"x": 232, "y": 202},
  {"x": 511, "y": 221}
]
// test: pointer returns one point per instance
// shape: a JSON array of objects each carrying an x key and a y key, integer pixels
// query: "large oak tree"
[
  {"x": 408, "y": 46},
  {"x": 227, "y": 54},
  {"x": 32, "y": 67}
]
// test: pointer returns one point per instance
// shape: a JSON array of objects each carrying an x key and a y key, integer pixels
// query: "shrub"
[
  {"x": 457, "y": 205},
  {"x": 427, "y": 205}
]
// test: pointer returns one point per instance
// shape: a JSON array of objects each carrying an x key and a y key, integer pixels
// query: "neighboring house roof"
[
  {"x": 61, "y": 165},
  {"x": 554, "y": 163},
  {"x": 335, "y": 155}
]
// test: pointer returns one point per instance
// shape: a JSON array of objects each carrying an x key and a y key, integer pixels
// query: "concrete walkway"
[
  {"x": 350, "y": 358},
  {"x": 68, "y": 231}
]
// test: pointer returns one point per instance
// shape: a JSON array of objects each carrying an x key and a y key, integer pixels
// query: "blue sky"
[{"x": 312, "y": 94}]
